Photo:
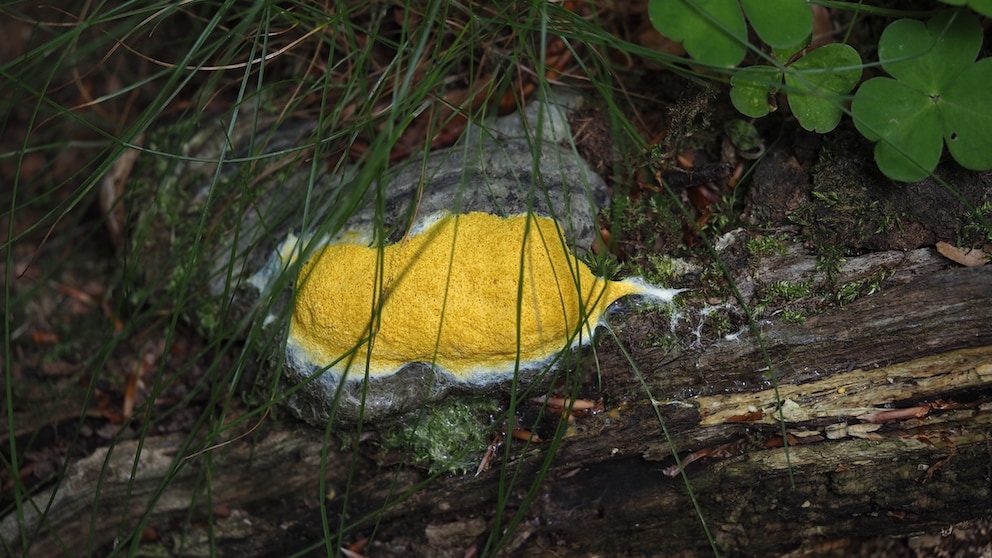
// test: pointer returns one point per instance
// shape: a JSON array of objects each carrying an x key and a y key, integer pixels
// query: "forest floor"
[{"x": 68, "y": 303}]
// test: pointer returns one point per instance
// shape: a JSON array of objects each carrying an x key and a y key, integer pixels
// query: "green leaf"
[
  {"x": 783, "y": 55},
  {"x": 939, "y": 94},
  {"x": 983, "y": 7},
  {"x": 927, "y": 57},
  {"x": 818, "y": 82},
  {"x": 780, "y": 23},
  {"x": 906, "y": 125},
  {"x": 751, "y": 87},
  {"x": 745, "y": 138},
  {"x": 712, "y": 31},
  {"x": 967, "y": 120}
]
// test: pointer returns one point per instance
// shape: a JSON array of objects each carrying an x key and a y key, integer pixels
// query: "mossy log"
[{"x": 879, "y": 423}]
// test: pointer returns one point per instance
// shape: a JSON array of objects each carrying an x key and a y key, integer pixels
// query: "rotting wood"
[
  {"x": 925, "y": 344},
  {"x": 854, "y": 394}
]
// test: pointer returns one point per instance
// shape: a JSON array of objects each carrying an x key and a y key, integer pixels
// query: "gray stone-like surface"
[
  {"x": 501, "y": 177},
  {"x": 507, "y": 166}
]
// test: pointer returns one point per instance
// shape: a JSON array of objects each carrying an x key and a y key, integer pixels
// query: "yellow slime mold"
[{"x": 470, "y": 294}]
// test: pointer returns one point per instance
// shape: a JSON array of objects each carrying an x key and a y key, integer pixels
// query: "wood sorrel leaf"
[
  {"x": 780, "y": 23},
  {"x": 939, "y": 94},
  {"x": 965, "y": 107},
  {"x": 712, "y": 31},
  {"x": 818, "y": 82},
  {"x": 751, "y": 87},
  {"x": 905, "y": 124},
  {"x": 928, "y": 56},
  {"x": 983, "y": 7}
]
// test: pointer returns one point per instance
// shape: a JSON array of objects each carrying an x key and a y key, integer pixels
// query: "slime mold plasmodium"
[{"x": 476, "y": 296}]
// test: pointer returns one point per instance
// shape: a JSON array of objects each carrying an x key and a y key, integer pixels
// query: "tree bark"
[{"x": 885, "y": 405}]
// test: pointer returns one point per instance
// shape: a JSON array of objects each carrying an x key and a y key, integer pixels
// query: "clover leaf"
[
  {"x": 714, "y": 31},
  {"x": 780, "y": 23},
  {"x": 937, "y": 94},
  {"x": 751, "y": 90},
  {"x": 983, "y": 7},
  {"x": 816, "y": 84}
]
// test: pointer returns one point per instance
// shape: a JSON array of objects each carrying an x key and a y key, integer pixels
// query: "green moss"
[
  {"x": 766, "y": 245},
  {"x": 663, "y": 269},
  {"x": 794, "y": 316},
  {"x": 789, "y": 290},
  {"x": 603, "y": 264},
  {"x": 852, "y": 208},
  {"x": 208, "y": 316},
  {"x": 793, "y": 301},
  {"x": 978, "y": 225},
  {"x": 662, "y": 337},
  {"x": 721, "y": 322},
  {"x": 449, "y": 436},
  {"x": 853, "y": 290},
  {"x": 796, "y": 301},
  {"x": 642, "y": 228}
]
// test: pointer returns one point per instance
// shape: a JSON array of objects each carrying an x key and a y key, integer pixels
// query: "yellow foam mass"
[{"x": 468, "y": 294}]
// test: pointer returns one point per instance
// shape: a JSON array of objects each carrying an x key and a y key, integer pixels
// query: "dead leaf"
[
  {"x": 649, "y": 37},
  {"x": 112, "y": 193},
  {"x": 970, "y": 257},
  {"x": 823, "y": 26}
]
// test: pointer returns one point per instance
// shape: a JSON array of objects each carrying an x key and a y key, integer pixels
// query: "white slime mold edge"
[{"x": 289, "y": 250}]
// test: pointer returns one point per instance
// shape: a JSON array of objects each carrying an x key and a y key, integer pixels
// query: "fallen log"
[{"x": 870, "y": 419}]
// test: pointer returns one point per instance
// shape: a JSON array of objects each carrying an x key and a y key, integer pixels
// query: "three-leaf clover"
[
  {"x": 937, "y": 93},
  {"x": 816, "y": 84},
  {"x": 714, "y": 31}
]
